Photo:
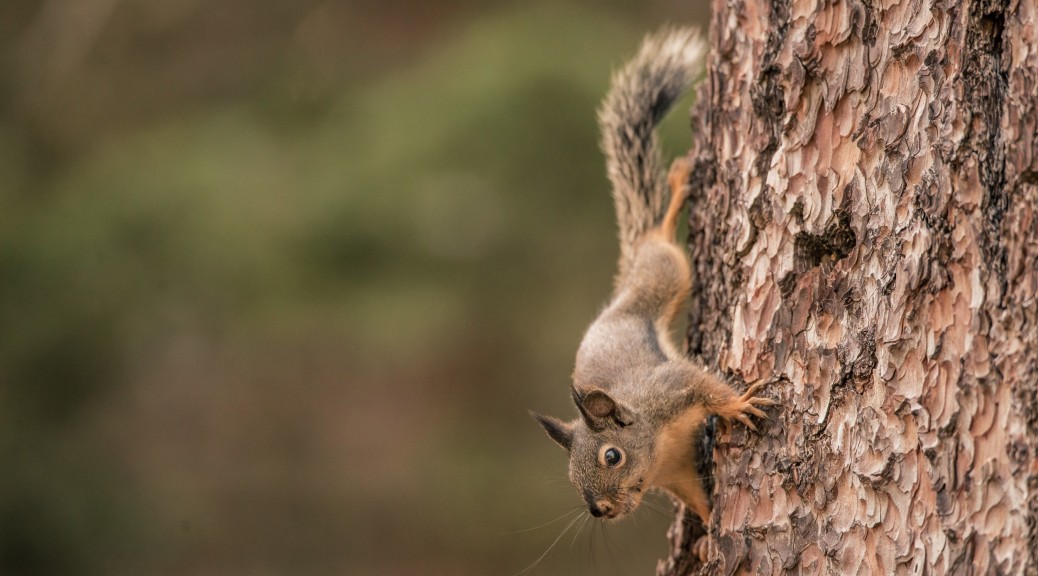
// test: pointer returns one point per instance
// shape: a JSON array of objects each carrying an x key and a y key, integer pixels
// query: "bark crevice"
[{"x": 984, "y": 75}]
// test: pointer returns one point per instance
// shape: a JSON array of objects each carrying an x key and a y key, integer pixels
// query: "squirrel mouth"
[
  {"x": 602, "y": 509},
  {"x": 609, "y": 514},
  {"x": 615, "y": 509}
]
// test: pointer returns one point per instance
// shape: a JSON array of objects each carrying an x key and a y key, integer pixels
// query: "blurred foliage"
[{"x": 278, "y": 281}]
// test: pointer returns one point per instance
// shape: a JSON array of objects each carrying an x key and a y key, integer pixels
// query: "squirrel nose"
[{"x": 601, "y": 508}]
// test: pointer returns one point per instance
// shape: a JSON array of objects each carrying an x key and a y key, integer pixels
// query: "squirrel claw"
[
  {"x": 751, "y": 391},
  {"x": 746, "y": 422},
  {"x": 750, "y": 408},
  {"x": 749, "y": 397}
]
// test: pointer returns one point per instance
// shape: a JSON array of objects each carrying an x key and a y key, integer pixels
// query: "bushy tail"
[{"x": 641, "y": 94}]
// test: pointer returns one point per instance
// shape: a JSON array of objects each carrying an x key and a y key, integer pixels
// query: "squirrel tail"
[{"x": 642, "y": 92}]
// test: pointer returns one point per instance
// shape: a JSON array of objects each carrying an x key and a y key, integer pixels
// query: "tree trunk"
[{"x": 864, "y": 235}]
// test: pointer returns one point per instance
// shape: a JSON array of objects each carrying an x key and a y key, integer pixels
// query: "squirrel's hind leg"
[
  {"x": 678, "y": 177},
  {"x": 680, "y": 170}
]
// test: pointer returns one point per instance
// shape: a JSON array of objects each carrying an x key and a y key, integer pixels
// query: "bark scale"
[{"x": 864, "y": 234}]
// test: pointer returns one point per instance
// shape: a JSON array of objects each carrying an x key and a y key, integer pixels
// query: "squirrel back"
[{"x": 641, "y": 94}]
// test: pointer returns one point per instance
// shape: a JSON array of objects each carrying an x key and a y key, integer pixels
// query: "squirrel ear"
[
  {"x": 559, "y": 431},
  {"x": 598, "y": 408},
  {"x": 598, "y": 404}
]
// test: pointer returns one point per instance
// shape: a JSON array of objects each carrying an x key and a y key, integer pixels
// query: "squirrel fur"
[{"x": 640, "y": 401}]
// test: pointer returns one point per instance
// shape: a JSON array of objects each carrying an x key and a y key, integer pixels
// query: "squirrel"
[{"x": 641, "y": 401}]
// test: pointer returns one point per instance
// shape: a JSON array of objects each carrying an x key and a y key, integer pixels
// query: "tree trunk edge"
[{"x": 991, "y": 91}]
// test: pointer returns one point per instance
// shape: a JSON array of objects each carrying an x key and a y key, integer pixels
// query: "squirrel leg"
[
  {"x": 690, "y": 491},
  {"x": 678, "y": 179},
  {"x": 681, "y": 479},
  {"x": 678, "y": 176},
  {"x": 674, "y": 466},
  {"x": 718, "y": 397}
]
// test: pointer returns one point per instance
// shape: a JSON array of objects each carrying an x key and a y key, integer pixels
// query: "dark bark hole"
[
  {"x": 835, "y": 243},
  {"x": 985, "y": 78}
]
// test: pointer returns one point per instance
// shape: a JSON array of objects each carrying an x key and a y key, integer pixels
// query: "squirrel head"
[{"x": 610, "y": 452}]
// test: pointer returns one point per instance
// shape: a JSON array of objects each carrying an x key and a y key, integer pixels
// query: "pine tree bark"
[{"x": 864, "y": 235}]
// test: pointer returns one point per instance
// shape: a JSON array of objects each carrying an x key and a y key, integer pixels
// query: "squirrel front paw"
[
  {"x": 744, "y": 406},
  {"x": 701, "y": 548}
]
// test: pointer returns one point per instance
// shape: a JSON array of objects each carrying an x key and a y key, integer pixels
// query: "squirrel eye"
[{"x": 612, "y": 457}]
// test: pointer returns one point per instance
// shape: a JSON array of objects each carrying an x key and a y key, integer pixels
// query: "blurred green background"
[{"x": 280, "y": 278}]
